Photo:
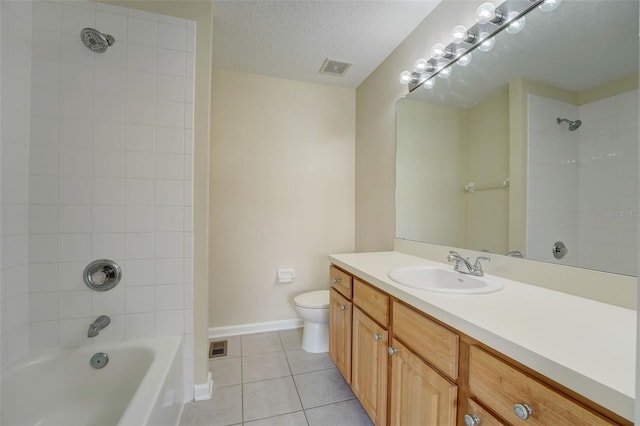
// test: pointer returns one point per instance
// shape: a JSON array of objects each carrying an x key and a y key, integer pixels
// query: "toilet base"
[{"x": 315, "y": 337}]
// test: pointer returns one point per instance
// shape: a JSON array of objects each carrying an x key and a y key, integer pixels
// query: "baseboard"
[
  {"x": 258, "y": 327},
  {"x": 203, "y": 391}
]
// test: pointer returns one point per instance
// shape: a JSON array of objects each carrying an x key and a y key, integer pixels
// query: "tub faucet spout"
[{"x": 101, "y": 322}]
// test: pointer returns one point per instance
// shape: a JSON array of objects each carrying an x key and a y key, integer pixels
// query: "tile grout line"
[{"x": 293, "y": 379}]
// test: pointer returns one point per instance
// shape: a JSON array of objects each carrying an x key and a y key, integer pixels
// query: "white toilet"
[{"x": 313, "y": 307}]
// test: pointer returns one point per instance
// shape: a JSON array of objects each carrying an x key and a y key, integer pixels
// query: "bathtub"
[{"x": 141, "y": 384}]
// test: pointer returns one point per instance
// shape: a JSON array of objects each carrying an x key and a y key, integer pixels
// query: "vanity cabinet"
[
  {"x": 407, "y": 369},
  {"x": 518, "y": 398},
  {"x": 340, "y": 310}
]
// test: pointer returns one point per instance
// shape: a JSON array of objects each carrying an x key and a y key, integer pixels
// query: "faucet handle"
[{"x": 478, "y": 265}]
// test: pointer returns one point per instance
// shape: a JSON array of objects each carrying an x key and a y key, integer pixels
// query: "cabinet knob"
[
  {"x": 343, "y": 307},
  {"x": 470, "y": 420},
  {"x": 377, "y": 336},
  {"x": 523, "y": 411},
  {"x": 391, "y": 350},
  {"x": 336, "y": 280}
]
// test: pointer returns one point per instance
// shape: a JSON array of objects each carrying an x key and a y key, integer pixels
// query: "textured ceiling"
[{"x": 291, "y": 39}]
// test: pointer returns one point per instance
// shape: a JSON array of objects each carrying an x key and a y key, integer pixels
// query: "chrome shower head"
[
  {"x": 95, "y": 40},
  {"x": 573, "y": 125}
]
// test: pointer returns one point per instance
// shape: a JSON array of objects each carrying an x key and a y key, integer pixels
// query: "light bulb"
[
  {"x": 429, "y": 84},
  {"x": 438, "y": 51},
  {"x": 488, "y": 44},
  {"x": 445, "y": 71},
  {"x": 549, "y": 5},
  {"x": 459, "y": 34},
  {"x": 486, "y": 12},
  {"x": 463, "y": 59},
  {"x": 516, "y": 26},
  {"x": 421, "y": 65},
  {"x": 405, "y": 77}
]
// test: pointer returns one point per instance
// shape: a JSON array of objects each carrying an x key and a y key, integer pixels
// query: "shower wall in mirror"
[{"x": 483, "y": 163}]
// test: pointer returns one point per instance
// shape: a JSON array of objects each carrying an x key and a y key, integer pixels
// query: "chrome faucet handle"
[{"x": 478, "y": 265}]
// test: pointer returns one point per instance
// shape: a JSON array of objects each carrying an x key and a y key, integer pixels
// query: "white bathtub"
[{"x": 141, "y": 385}]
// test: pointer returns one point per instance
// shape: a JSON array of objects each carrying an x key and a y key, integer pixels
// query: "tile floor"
[{"x": 267, "y": 379}]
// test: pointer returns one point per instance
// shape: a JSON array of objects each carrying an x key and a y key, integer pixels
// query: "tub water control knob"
[
  {"x": 377, "y": 336},
  {"x": 523, "y": 411},
  {"x": 470, "y": 420}
]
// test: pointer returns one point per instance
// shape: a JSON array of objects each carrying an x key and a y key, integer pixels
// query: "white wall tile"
[
  {"x": 169, "y": 166},
  {"x": 74, "y": 161},
  {"x": 15, "y": 312},
  {"x": 112, "y": 23},
  {"x": 169, "y": 271},
  {"x": 141, "y": 84},
  {"x": 74, "y": 219},
  {"x": 107, "y": 246},
  {"x": 76, "y": 77},
  {"x": 169, "y": 245},
  {"x": 109, "y": 81},
  {"x": 140, "y": 138},
  {"x": 73, "y": 332},
  {"x": 114, "y": 58},
  {"x": 138, "y": 326},
  {"x": 76, "y": 132},
  {"x": 139, "y": 245},
  {"x": 169, "y": 323},
  {"x": 141, "y": 58},
  {"x": 43, "y": 335},
  {"x": 172, "y": 36},
  {"x": 44, "y": 131},
  {"x": 107, "y": 191},
  {"x": 43, "y": 277},
  {"x": 172, "y": 62},
  {"x": 43, "y": 248},
  {"x": 43, "y": 219},
  {"x": 139, "y": 219},
  {"x": 70, "y": 276},
  {"x": 76, "y": 105},
  {"x": 169, "y": 218},
  {"x": 43, "y": 160},
  {"x": 108, "y": 108},
  {"x": 14, "y": 281},
  {"x": 76, "y": 18},
  {"x": 47, "y": 15},
  {"x": 169, "y": 192},
  {"x": 74, "y": 304},
  {"x": 171, "y": 88},
  {"x": 74, "y": 247},
  {"x": 139, "y": 191},
  {"x": 140, "y": 299},
  {"x": 43, "y": 306},
  {"x": 141, "y": 111},
  {"x": 108, "y": 135},
  {"x": 169, "y": 140},
  {"x": 139, "y": 272},
  {"x": 108, "y": 302},
  {"x": 139, "y": 165},
  {"x": 107, "y": 218},
  {"x": 46, "y": 44},
  {"x": 169, "y": 297},
  {"x": 45, "y": 102},
  {"x": 108, "y": 163},
  {"x": 143, "y": 31},
  {"x": 191, "y": 37},
  {"x": 74, "y": 190},
  {"x": 45, "y": 73}
]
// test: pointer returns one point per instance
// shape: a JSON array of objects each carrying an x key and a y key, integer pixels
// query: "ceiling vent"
[{"x": 333, "y": 67}]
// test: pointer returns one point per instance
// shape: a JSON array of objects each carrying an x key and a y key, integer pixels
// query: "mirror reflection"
[{"x": 532, "y": 144}]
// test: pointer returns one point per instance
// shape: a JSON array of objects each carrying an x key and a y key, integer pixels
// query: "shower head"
[
  {"x": 95, "y": 40},
  {"x": 573, "y": 125}
]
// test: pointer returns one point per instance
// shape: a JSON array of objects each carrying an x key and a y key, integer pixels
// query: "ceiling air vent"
[{"x": 333, "y": 67}]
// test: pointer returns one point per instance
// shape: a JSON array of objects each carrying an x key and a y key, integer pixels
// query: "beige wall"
[{"x": 282, "y": 188}]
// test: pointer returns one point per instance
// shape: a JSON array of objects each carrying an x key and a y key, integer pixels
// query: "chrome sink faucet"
[
  {"x": 101, "y": 322},
  {"x": 462, "y": 265}
]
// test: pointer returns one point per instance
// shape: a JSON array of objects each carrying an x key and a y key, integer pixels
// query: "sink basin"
[{"x": 434, "y": 278}]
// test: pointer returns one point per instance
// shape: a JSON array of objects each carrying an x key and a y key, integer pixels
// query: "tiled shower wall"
[
  {"x": 585, "y": 182},
  {"x": 110, "y": 175},
  {"x": 15, "y": 47}
]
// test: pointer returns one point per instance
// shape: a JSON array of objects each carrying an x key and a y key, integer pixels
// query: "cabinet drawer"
[
  {"x": 484, "y": 418},
  {"x": 374, "y": 302},
  {"x": 428, "y": 339},
  {"x": 500, "y": 386},
  {"x": 341, "y": 281}
]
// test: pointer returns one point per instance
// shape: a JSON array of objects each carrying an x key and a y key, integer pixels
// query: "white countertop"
[{"x": 585, "y": 345}]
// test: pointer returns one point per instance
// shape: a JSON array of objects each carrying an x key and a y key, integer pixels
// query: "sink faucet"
[
  {"x": 101, "y": 322},
  {"x": 462, "y": 265}
]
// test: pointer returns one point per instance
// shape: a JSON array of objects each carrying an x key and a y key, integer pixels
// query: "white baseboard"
[
  {"x": 204, "y": 391},
  {"x": 258, "y": 327}
]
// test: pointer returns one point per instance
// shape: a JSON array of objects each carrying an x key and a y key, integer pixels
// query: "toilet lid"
[{"x": 313, "y": 299}]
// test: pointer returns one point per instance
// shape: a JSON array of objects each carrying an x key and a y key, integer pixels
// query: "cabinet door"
[
  {"x": 419, "y": 395},
  {"x": 370, "y": 360},
  {"x": 340, "y": 333}
]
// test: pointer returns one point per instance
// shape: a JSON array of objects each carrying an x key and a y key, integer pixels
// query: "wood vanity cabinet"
[
  {"x": 408, "y": 369},
  {"x": 340, "y": 310}
]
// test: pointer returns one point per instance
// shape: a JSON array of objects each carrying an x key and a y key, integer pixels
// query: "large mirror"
[{"x": 533, "y": 146}]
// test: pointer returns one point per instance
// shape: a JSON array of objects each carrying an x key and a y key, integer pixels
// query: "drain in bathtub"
[{"x": 99, "y": 360}]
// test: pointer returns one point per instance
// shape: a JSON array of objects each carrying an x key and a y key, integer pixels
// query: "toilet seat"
[{"x": 313, "y": 299}]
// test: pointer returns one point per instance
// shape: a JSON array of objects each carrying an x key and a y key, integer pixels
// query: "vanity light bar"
[{"x": 490, "y": 21}]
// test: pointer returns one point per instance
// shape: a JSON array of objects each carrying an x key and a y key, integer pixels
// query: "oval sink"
[{"x": 434, "y": 278}]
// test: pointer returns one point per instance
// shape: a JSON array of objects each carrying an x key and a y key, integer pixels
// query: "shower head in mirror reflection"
[{"x": 573, "y": 125}]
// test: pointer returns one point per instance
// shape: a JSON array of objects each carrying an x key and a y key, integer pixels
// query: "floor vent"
[
  {"x": 218, "y": 349},
  {"x": 333, "y": 67}
]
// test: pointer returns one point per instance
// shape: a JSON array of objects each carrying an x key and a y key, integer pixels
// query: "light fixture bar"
[{"x": 418, "y": 79}]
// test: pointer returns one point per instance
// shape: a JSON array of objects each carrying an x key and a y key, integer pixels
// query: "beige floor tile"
[
  {"x": 293, "y": 419},
  {"x": 305, "y": 362},
  {"x": 264, "y": 366},
  {"x": 346, "y": 413},
  {"x": 261, "y": 343},
  {"x": 226, "y": 371},
  {"x": 224, "y": 409},
  {"x": 270, "y": 398},
  {"x": 322, "y": 387}
]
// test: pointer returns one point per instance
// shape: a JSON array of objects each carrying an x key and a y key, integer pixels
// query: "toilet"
[{"x": 313, "y": 307}]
